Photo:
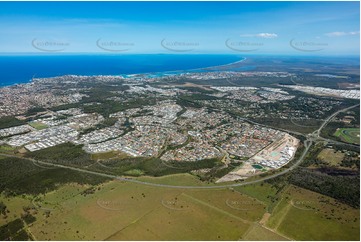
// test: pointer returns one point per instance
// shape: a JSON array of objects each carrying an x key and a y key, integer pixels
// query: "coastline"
[
  {"x": 209, "y": 67},
  {"x": 176, "y": 72},
  {"x": 156, "y": 74}
]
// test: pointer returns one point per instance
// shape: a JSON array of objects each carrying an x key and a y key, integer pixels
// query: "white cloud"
[
  {"x": 337, "y": 34},
  {"x": 267, "y": 35},
  {"x": 261, "y": 35}
]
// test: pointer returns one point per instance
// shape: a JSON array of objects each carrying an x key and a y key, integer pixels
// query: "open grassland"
[
  {"x": 331, "y": 156},
  {"x": 124, "y": 211},
  {"x": 264, "y": 192},
  {"x": 198, "y": 221},
  {"x": 118, "y": 210},
  {"x": 176, "y": 179},
  {"x": 7, "y": 149},
  {"x": 38, "y": 125},
  {"x": 68, "y": 205},
  {"x": 108, "y": 155},
  {"x": 14, "y": 206},
  {"x": 57, "y": 198},
  {"x": 258, "y": 232},
  {"x": 231, "y": 202},
  {"x": 349, "y": 135},
  {"x": 305, "y": 215}
]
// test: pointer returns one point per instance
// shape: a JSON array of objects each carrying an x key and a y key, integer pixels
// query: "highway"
[
  {"x": 311, "y": 138},
  {"x": 126, "y": 179},
  {"x": 327, "y": 120},
  {"x": 267, "y": 126}
]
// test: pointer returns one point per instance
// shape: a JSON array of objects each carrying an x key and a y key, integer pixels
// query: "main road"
[
  {"x": 307, "y": 144},
  {"x": 327, "y": 120}
]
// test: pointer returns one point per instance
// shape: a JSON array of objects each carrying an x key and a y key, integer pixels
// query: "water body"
[{"x": 16, "y": 69}]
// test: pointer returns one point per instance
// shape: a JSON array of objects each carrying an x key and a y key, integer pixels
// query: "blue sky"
[{"x": 300, "y": 28}]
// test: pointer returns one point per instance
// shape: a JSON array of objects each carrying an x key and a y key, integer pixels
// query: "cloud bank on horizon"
[
  {"x": 261, "y": 35},
  {"x": 319, "y": 28},
  {"x": 336, "y": 34}
]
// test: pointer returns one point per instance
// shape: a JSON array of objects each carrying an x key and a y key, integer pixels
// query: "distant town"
[{"x": 166, "y": 129}]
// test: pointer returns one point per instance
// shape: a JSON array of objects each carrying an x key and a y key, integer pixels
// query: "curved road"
[
  {"x": 327, "y": 120},
  {"x": 307, "y": 143},
  {"x": 307, "y": 146}
]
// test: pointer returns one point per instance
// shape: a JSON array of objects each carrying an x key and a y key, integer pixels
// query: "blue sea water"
[{"x": 16, "y": 69}]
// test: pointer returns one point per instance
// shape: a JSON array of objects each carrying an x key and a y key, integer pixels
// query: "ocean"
[{"x": 16, "y": 69}]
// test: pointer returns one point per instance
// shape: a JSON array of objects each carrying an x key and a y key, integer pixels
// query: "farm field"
[
  {"x": 305, "y": 215},
  {"x": 349, "y": 135}
]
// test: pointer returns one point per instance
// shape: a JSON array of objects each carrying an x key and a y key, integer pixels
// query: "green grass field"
[
  {"x": 331, "y": 156},
  {"x": 15, "y": 206},
  {"x": 7, "y": 149},
  {"x": 119, "y": 210},
  {"x": 125, "y": 211},
  {"x": 134, "y": 172},
  {"x": 108, "y": 155},
  {"x": 263, "y": 192},
  {"x": 258, "y": 232},
  {"x": 176, "y": 179},
  {"x": 99, "y": 209},
  {"x": 306, "y": 215},
  {"x": 38, "y": 125},
  {"x": 349, "y": 135}
]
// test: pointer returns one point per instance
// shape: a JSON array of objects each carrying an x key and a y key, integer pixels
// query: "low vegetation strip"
[
  {"x": 20, "y": 176},
  {"x": 306, "y": 215},
  {"x": 343, "y": 188}
]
